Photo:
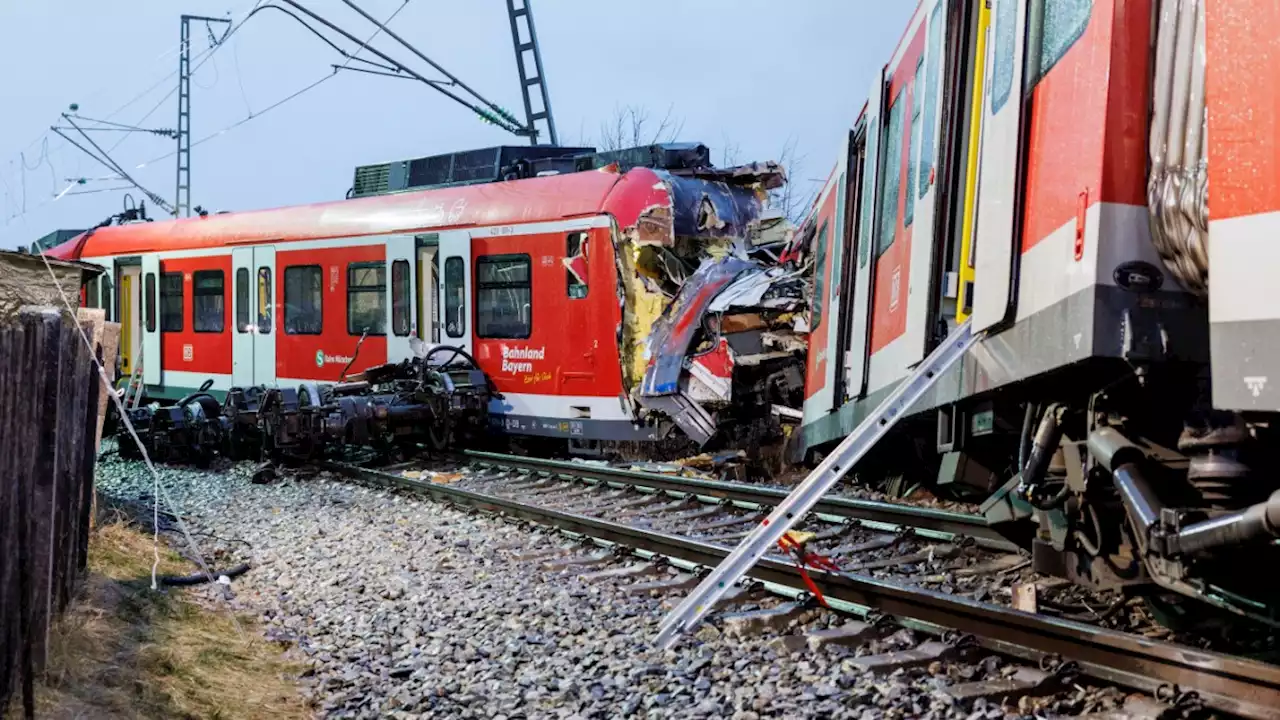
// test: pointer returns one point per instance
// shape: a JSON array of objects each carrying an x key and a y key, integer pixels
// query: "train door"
[
  {"x": 428, "y": 293},
  {"x": 924, "y": 297},
  {"x": 129, "y": 314},
  {"x": 977, "y": 106},
  {"x": 151, "y": 371},
  {"x": 253, "y": 347},
  {"x": 455, "y": 288},
  {"x": 856, "y": 168},
  {"x": 998, "y": 169},
  {"x": 856, "y": 361},
  {"x": 401, "y": 292}
]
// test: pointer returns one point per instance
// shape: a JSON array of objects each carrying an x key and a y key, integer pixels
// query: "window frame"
[
  {"x": 320, "y": 286},
  {"x": 92, "y": 293},
  {"x": 821, "y": 243},
  {"x": 196, "y": 293},
  {"x": 935, "y": 46},
  {"x": 166, "y": 293},
  {"x": 570, "y": 283},
  {"x": 461, "y": 309},
  {"x": 894, "y": 158},
  {"x": 108, "y": 296},
  {"x": 379, "y": 291},
  {"x": 150, "y": 302},
  {"x": 1004, "y": 45},
  {"x": 264, "y": 305},
  {"x": 401, "y": 299},
  {"x": 913, "y": 144},
  {"x": 503, "y": 285},
  {"x": 1047, "y": 63},
  {"x": 240, "y": 294}
]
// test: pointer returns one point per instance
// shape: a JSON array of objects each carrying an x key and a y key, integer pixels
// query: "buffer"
[{"x": 801, "y": 500}]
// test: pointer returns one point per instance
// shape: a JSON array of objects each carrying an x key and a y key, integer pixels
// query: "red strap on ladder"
[{"x": 804, "y": 560}]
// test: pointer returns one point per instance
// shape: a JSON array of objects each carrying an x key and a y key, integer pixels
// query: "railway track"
[{"x": 630, "y": 527}]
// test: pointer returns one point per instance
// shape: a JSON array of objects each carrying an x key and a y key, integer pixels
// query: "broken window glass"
[
  {"x": 575, "y": 265},
  {"x": 1005, "y": 45},
  {"x": 913, "y": 152},
  {"x": 819, "y": 279},
  {"x": 1064, "y": 22},
  {"x": 892, "y": 184},
  {"x": 928, "y": 145}
]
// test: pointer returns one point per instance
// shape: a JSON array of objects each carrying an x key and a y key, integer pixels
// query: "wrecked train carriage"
[
  {"x": 712, "y": 325},
  {"x": 503, "y": 270}
]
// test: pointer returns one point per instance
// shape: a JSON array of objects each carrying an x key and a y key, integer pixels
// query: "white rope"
[{"x": 157, "y": 488}]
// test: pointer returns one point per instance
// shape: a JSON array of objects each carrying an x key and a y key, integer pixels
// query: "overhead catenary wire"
[
  {"x": 106, "y": 159},
  {"x": 44, "y": 135},
  {"x": 364, "y": 45}
]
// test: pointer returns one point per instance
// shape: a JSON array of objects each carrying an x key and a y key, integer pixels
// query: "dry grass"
[{"x": 122, "y": 650}]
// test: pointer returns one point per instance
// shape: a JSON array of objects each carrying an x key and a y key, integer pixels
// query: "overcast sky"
[{"x": 751, "y": 73}]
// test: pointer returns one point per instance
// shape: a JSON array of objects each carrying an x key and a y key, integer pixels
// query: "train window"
[
  {"x": 171, "y": 302},
  {"x": 264, "y": 301},
  {"x": 91, "y": 293},
  {"x": 303, "y": 300},
  {"x": 455, "y": 303},
  {"x": 892, "y": 182},
  {"x": 929, "y": 143},
  {"x": 913, "y": 147},
  {"x": 208, "y": 301},
  {"x": 504, "y": 296},
  {"x": 242, "y": 300},
  {"x": 401, "y": 298},
  {"x": 150, "y": 301},
  {"x": 366, "y": 298},
  {"x": 819, "y": 279},
  {"x": 866, "y": 223},
  {"x": 575, "y": 265},
  {"x": 1005, "y": 44},
  {"x": 108, "y": 295},
  {"x": 1064, "y": 21}
]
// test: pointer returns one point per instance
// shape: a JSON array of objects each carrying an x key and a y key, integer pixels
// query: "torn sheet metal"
[
  {"x": 710, "y": 208},
  {"x": 774, "y": 288},
  {"x": 711, "y": 375},
  {"x": 674, "y": 331}
]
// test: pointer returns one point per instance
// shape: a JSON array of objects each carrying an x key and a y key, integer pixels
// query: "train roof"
[{"x": 520, "y": 201}]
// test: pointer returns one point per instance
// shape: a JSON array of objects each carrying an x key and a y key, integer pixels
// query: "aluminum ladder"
[{"x": 801, "y": 500}]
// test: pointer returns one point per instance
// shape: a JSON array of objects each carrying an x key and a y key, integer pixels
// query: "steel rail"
[
  {"x": 1239, "y": 686},
  {"x": 946, "y": 521}
]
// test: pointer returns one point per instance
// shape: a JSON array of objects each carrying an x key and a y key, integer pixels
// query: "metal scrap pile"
[{"x": 715, "y": 314}]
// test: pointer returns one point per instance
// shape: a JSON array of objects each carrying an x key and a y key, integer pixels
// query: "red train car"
[{"x": 525, "y": 275}]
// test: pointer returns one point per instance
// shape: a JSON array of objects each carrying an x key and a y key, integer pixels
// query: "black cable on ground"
[{"x": 201, "y": 578}]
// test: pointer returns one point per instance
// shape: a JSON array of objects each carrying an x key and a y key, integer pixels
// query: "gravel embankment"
[{"x": 406, "y": 608}]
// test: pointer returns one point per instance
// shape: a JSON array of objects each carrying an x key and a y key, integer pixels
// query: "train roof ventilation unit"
[
  {"x": 469, "y": 167},
  {"x": 672, "y": 156},
  {"x": 508, "y": 162}
]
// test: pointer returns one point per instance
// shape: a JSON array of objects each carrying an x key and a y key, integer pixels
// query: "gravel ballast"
[{"x": 408, "y": 608}]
